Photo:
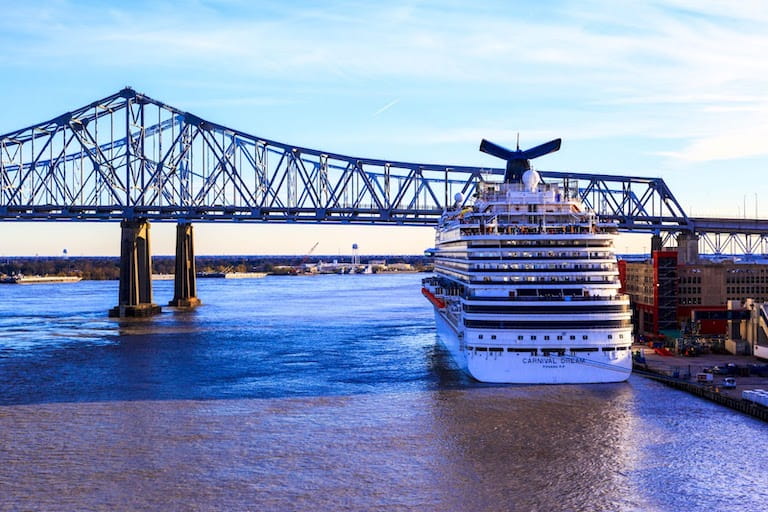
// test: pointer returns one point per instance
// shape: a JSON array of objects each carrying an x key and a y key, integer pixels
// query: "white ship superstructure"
[{"x": 526, "y": 286}]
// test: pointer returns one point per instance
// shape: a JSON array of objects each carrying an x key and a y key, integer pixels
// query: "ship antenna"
[{"x": 518, "y": 141}]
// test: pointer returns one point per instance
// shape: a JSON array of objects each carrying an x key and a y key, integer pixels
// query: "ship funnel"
[{"x": 518, "y": 161}]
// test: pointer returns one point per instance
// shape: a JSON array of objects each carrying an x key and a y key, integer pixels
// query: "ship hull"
[
  {"x": 39, "y": 279},
  {"x": 512, "y": 367}
]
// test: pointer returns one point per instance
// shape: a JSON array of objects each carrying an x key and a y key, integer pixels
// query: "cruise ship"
[{"x": 526, "y": 285}]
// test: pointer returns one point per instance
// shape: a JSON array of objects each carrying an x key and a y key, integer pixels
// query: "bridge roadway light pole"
[
  {"x": 135, "y": 295},
  {"x": 184, "y": 283}
]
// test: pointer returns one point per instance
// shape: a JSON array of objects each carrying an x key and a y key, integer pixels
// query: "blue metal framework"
[{"x": 128, "y": 156}]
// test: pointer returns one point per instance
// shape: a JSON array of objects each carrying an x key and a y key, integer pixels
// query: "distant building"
[
  {"x": 676, "y": 287},
  {"x": 754, "y": 329}
]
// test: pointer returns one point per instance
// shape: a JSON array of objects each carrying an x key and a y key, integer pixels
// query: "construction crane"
[{"x": 306, "y": 257}]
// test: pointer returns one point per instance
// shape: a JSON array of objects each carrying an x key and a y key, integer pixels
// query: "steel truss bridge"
[{"x": 128, "y": 156}]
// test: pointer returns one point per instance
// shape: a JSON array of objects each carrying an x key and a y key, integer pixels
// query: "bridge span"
[{"x": 133, "y": 159}]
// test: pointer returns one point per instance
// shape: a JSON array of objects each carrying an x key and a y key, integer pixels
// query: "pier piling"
[
  {"x": 135, "y": 295},
  {"x": 185, "y": 286}
]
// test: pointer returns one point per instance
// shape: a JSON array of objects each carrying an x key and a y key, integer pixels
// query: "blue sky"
[{"x": 677, "y": 89}]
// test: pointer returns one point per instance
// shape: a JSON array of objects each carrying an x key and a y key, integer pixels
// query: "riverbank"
[
  {"x": 693, "y": 374},
  {"x": 105, "y": 268}
]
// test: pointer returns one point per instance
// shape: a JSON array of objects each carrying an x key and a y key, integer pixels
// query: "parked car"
[{"x": 728, "y": 369}]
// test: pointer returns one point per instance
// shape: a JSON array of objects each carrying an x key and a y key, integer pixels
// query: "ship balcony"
[
  {"x": 551, "y": 269},
  {"x": 541, "y": 300},
  {"x": 549, "y": 280},
  {"x": 469, "y": 231},
  {"x": 481, "y": 256},
  {"x": 610, "y": 279},
  {"x": 552, "y": 316}
]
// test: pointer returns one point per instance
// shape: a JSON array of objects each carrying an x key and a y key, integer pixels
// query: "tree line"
[{"x": 104, "y": 267}]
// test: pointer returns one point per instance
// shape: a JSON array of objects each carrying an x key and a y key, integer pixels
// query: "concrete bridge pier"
[
  {"x": 135, "y": 296},
  {"x": 185, "y": 286}
]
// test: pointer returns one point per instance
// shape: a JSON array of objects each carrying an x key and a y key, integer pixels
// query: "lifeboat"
[{"x": 438, "y": 303}]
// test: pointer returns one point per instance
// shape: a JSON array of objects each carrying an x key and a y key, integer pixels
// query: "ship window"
[
  {"x": 519, "y": 337},
  {"x": 608, "y": 349},
  {"x": 573, "y": 337},
  {"x": 585, "y": 337},
  {"x": 481, "y": 349},
  {"x": 546, "y": 338},
  {"x": 559, "y": 338},
  {"x": 470, "y": 348},
  {"x": 480, "y": 336},
  {"x": 493, "y": 336},
  {"x": 610, "y": 336},
  {"x": 533, "y": 337},
  {"x": 496, "y": 349},
  {"x": 621, "y": 336}
]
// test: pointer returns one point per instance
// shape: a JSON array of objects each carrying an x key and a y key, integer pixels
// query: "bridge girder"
[{"x": 129, "y": 156}]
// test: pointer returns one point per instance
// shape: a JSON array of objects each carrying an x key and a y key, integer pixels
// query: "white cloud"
[
  {"x": 679, "y": 69},
  {"x": 387, "y": 107},
  {"x": 731, "y": 145}
]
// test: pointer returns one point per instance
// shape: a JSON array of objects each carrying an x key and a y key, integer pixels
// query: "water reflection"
[
  {"x": 330, "y": 394},
  {"x": 536, "y": 447}
]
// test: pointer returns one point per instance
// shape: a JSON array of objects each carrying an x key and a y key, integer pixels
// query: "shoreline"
[{"x": 665, "y": 369}]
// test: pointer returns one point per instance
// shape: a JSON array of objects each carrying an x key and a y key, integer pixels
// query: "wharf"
[{"x": 680, "y": 372}]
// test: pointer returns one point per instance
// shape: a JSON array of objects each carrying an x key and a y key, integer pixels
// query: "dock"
[{"x": 681, "y": 373}]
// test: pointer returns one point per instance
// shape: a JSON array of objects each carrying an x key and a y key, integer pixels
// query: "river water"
[{"x": 329, "y": 393}]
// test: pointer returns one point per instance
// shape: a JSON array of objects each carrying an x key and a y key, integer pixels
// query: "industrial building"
[{"x": 676, "y": 289}]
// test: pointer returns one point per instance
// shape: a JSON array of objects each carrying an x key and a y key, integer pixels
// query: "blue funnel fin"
[
  {"x": 492, "y": 149},
  {"x": 518, "y": 161},
  {"x": 542, "y": 149}
]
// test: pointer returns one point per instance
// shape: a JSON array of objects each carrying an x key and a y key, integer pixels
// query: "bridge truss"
[{"x": 128, "y": 156}]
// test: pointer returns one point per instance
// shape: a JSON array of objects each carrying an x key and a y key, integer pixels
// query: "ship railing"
[
  {"x": 501, "y": 195},
  {"x": 491, "y": 187},
  {"x": 550, "y": 298},
  {"x": 476, "y": 229},
  {"x": 530, "y": 280}
]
